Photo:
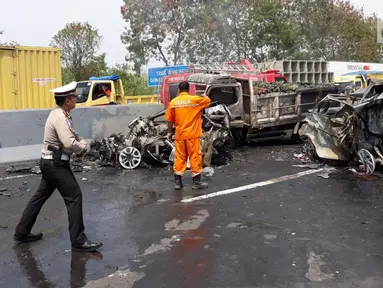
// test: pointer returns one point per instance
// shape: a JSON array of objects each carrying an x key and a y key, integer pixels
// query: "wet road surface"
[{"x": 301, "y": 232}]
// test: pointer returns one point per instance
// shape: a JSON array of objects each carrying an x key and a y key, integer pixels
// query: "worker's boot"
[
  {"x": 197, "y": 184},
  {"x": 178, "y": 182}
]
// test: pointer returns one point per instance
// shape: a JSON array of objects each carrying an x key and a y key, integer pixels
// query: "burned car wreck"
[
  {"x": 146, "y": 141},
  {"x": 347, "y": 128}
]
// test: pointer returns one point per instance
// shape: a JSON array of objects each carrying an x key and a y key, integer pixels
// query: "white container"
[{"x": 339, "y": 68}]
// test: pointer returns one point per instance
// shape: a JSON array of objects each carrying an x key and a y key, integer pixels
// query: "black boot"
[
  {"x": 197, "y": 184},
  {"x": 178, "y": 182}
]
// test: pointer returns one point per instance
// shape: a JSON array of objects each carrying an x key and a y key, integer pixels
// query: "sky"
[{"x": 27, "y": 22}]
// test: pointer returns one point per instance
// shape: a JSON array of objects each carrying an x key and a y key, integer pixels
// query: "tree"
[
  {"x": 335, "y": 30},
  {"x": 273, "y": 30},
  {"x": 134, "y": 85},
  {"x": 179, "y": 31},
  {"x": 12, "y": 43},
  {"x": 96, "y": 67},
  {"x": 172, "y": 31},
  {"x": 79, "y": 43}
]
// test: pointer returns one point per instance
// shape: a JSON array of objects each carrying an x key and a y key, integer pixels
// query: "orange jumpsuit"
[{"x": 184, "y": 112}]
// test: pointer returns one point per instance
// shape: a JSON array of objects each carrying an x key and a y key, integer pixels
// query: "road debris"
[
  {"x": 5, "y": 194},
  {"x": 35, "y": 170},
  {"x": 146, "y": 142},
  {"x": 324, "y": 175},
  {"x": 302, "y": 158},
  {"x": 23, "y": 168},
  {"x": 310, "y": 166},
  {"x": 208, "y": 171}
]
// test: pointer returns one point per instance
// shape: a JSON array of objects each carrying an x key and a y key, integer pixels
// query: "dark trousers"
[{"x": 54, "y": 176}]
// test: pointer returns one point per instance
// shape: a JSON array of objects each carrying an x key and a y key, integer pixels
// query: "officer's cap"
[{"x": 65, "y": 91}]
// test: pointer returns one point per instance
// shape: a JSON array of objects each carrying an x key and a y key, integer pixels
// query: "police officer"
[{"x": 60, "y": 141}]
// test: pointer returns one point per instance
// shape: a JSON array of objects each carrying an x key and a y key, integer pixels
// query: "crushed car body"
[
  {"x": 347, "y": 128},
  {"x": 146, "y": 140}
]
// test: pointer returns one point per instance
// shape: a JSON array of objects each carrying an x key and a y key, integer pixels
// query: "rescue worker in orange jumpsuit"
[{"x": 184, "y": 112}]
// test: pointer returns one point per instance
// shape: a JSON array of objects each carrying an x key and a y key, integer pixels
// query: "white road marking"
[
  {"x": 15, "y": 177},
  {"x": 165, "y": 245},
  {"x": 193, "y": 224},
  {"x": 256, "y": 185},
  {"x": 315, "y": 273},
  {"x": 233, "y": 225},
  {"x": 120, "y": 278},
  {"x": 270, "y": 236}
]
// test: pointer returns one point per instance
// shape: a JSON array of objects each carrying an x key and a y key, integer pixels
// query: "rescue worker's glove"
[{"x": 169, "y": 136}]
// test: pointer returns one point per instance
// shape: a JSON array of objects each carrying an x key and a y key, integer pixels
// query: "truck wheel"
[
  {"x": 308, "y": 148},
  {"x": 239, "y": 138},
  {"x": 295, "y": 138}
]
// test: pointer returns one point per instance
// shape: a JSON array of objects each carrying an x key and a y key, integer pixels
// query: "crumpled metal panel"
[
  {"x": 375, "y": 119},
  {"x": 323, "y": 136}
]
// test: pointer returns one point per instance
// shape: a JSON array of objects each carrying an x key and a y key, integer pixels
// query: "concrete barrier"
[{"x": 22, "y": 131}]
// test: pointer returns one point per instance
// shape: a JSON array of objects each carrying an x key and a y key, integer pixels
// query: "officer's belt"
[{"x": 64, "y": 157}]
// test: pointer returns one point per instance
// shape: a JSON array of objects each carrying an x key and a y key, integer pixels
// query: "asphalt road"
[{"x": 296, "y": 231}]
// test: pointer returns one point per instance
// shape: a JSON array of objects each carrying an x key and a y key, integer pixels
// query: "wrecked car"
[
  {"x": 146, "y": 140},
  {"x": 347, "y": 128}
]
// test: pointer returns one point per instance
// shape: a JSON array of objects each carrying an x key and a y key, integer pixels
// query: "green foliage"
[
  {"x": 335, "y": 30},
  {"x": 134, "y": 85},
  {"x": 96, "y": 67},
  {"x": 266, "y": 87},
  {"x": 79, "y": 43},
  {"x": 274, "y": 33},
  {"x": 179, "y": 31},
  {"x": 12, "y": 43}
]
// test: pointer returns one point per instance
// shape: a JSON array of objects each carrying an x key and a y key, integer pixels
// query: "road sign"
[{"x": 155, "y": 75}]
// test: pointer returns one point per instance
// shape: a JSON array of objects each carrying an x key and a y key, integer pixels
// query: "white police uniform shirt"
[{"x": 59, "y": 130}]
